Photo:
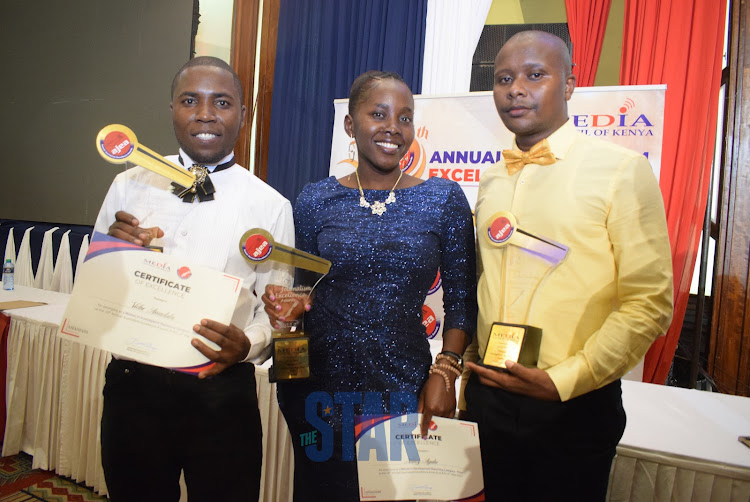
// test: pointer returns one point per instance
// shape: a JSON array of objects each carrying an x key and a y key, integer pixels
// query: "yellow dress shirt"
[{"x": 605, "y": 303}]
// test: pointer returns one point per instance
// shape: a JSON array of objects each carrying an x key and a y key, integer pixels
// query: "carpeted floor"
[{"x": 20, "y": 483}]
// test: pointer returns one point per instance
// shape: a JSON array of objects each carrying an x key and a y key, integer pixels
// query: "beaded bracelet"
[
  {"x": 454, "y": 355},
  {"x": 446, "y": 378},
  {"x": 448, "y": 359},
  {"x": 450, "y": 368},
  {"x": 454, "y": 363}
]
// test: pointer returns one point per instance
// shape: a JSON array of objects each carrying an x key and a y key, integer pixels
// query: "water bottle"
[{"x": 8, "y": 273}]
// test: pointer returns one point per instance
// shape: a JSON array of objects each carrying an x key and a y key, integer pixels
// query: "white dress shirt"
[{"x": 208, "y": 233}]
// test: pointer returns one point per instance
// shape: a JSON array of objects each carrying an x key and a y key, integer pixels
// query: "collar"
[
  {"x": 561, "y": 140},
  {"x": 187, "y": 161}
]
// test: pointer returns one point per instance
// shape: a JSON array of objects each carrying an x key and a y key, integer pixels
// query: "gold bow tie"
[{"x": 538, "y": 154}]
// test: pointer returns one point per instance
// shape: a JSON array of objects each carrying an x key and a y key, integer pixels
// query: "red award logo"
[
  {"x": 184, "y": 272},
  {"x": 500, "y": 230},
  {"x": 257, "y": 247},
  {"x": 117, "y": 145},
  {"x": 430, "y": 322}
]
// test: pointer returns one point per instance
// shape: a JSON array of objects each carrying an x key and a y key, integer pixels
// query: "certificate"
[
  {"x": 142, "y": 304},
  {"x": 395, "y": 463}
]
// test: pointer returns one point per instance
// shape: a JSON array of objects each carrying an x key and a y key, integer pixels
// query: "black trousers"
[
  {"x": 534, "y": 450},
  {"x": 157, "y": 422}
]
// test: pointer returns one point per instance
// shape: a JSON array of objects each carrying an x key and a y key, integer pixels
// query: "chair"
[
  {"x": 10, "y": 248},
  {"x": 46, "y": 267},
  {"x": 24, "y": 273},
  {"x": 62, "y": 278},
  {"x": 82, "y": 253}
]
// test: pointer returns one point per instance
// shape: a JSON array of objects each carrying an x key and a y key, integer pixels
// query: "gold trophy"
[
  {"x": 290, "y": 347},
  {"x": 517, "y": 341},
  {"x": 117, "y": 144}
]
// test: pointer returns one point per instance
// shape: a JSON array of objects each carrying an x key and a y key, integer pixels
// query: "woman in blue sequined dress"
[{"x": 386, "y": 241}]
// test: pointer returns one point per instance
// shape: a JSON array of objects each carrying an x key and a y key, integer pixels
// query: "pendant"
[{"x": 378, "y": 208}]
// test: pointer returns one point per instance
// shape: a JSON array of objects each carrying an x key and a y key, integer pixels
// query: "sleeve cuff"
[
  {"x": 571, "y": 379},
  {"x": 260, "y": 344}
]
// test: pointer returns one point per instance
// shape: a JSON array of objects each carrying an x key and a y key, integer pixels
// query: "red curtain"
[
  {"x": 587, "y": 22},
  {"x": 678, "y": 43}
]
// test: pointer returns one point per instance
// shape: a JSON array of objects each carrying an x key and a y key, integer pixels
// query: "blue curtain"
[{"x": 322, "y": 46}]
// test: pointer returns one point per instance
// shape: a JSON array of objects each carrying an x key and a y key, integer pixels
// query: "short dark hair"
[
  {"x": 563, "y": 51},
  {"x": 367, "y": 81},
  {"x": 208, "y": 61}
]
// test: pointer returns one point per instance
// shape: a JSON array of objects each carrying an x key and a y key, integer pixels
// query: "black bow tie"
[{"x": 202, "y": 186}]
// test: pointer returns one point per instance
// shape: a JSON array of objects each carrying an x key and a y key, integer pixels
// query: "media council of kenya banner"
[{"x": 459, "y": 137}]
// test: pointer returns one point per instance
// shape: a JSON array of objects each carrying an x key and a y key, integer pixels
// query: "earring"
[{"x": 352, "y": 151}]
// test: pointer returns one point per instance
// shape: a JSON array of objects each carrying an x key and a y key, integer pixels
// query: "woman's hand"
[
  {"x": 435, "y": 400},
  {"x": 284, "y": 305}
]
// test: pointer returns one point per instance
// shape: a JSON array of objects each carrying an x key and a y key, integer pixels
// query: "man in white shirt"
[{"x": 157, "y": 422}]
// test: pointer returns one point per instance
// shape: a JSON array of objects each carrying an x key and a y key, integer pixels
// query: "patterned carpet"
[{"x": 20, "y": 483}]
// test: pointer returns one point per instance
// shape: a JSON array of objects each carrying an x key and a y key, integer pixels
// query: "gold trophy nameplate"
[
  {"x": 291, "y": 356},
  {"x": 514, "y": 342},
  {"x": 290, "y": 347},
  {"x": 511, "y": 341}
]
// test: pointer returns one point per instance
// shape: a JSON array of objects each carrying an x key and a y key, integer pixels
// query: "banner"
[{"x": 459, "y": 137}]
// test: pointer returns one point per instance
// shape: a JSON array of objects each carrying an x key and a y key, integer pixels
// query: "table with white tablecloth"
[
  {"x": 54, "y": 401},
  {"x": 681, "y": 444},
  {"x": 38, "y": 382},
  {"x": 678, "y": 445}
]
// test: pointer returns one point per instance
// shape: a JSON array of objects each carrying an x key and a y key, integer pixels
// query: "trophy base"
[
  {"x": 291, "y": 359},
  {"x": 512, "y": 342}
]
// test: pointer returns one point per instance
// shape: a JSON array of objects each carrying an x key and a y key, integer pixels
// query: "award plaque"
[
  {"x": 289, "y": 344},
  {"x": 512, "y": 340}
]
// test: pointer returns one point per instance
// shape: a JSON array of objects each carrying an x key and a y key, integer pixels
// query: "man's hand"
[
  {"x": 519, "y": 379},
  {"x": 234, "y": 345},
  {"x": 126, "y": 228},
  {"x": 434, "y": 400},
  {"x": 283, "y": 304}
]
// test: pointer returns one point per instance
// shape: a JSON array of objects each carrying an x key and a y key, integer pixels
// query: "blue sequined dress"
[{"x": 365, "y": 327}]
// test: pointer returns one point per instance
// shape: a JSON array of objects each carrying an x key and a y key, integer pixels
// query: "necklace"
[{"x": 377, "y": 207}]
